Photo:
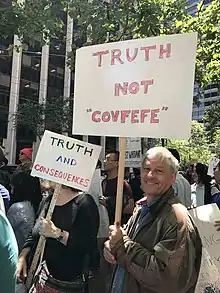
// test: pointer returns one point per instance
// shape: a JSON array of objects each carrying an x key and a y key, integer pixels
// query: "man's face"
[
  {"x": 156, "y": 176},
  {"x": 22, "y": 157},
  {"x": 110, "y": 162}
]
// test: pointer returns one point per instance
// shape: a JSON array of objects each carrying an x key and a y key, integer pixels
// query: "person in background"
[
  {"x": 160, "y": 250},
  {"x": 25, "y": 157},
  {"x": 70, "y": 239},
  {"x": 4, "y": 163},
  {"x": 127, "y": 174},
  {"x": 135, "y": 184},
  {"x": 25, "y": 201},
  {"x": 109, "y": 187},
  {"x": 8, "y": 256},
  {"x": 95, "y": 191},
  {"x": 181, "y": 187},
  {"x": 5, "y": 178},
  {"x": 97, "y": 278},
  {"x": 190, "y": 173},
  {"x": 26, "y": 188},
  {"x": 215, "y": 188},
  {"x": 201, "y": 189},
  {"x": 2, "y": 205},
  {"x": 4, "y": 193}
]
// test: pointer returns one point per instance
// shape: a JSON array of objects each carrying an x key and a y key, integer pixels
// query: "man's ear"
[{"x": 173, "y": 178}]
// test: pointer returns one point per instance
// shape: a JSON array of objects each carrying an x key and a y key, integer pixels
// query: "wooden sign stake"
[
  {"x": 120, "y": 184},
  {"x": 42, "y": 240}
]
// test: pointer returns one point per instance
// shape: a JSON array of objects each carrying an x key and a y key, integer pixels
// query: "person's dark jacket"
[
  {"x": 21, "y": 216},
  {"x": 80, "y": 218},
  {"x": 5, "y": 179},
  {"x": 26, "y": 188}
]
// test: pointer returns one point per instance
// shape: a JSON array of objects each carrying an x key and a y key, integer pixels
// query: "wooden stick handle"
[
  {"x": 41, "y": 242},
  {"x": 120, "y": 184}
]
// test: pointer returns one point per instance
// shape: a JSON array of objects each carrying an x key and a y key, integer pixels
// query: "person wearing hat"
[{"x": 25, "y": 157}]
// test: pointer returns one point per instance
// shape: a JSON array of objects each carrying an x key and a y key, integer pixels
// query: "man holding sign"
[{"x": 160, "y": 250}]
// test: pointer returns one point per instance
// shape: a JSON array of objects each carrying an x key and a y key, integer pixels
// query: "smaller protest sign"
[
  {"x": 212, "y": 165},
  {"x": 133, "y": 155},
  {"x": 209, "y": 277},
  {"x": 66, "y": 160}
]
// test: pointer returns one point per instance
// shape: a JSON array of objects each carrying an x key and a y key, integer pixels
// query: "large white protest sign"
[
  {"x": 66, "y": 160},
  {"x": 209, "y": 277},
  {"x": 136, "y": 88},
  {"x": 133, "y": 155}
]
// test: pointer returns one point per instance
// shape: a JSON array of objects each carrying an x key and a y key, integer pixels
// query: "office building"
[
  {"x": 210, "y": 94},
  {"x": 29, "y": 88}
]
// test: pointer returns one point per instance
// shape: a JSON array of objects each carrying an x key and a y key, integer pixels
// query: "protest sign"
[
  {"x": 209, "y": 277},
  {"x": 66, "y": 160},
  {"x": 212, "y": 165},
  {"x": 136, "y": 88},
  {"x": 133, "y": 155}
]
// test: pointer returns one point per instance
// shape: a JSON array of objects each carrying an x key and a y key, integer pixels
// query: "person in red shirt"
[{"x": 109, "y": 187}]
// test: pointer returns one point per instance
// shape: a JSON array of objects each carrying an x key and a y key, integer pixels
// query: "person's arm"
[
  {"x": 9, "y": 256},
  {"x": 160, "y": 269},
  {"x": 2, "y": 206},
  {"x": 83, "y": 236}
]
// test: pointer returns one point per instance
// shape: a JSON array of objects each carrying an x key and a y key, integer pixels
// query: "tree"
[
  {"x": 207, "y": 24},
  {"x": 196, "y": 148},
  {"x": 100, "y": 21},
  {"x": 34, "y": 21},
  {"x": 212, "y": 120},
  {"x": 116, "y": 20},
  {"x": 56, "y": 115},
  {"x": 94, "y": 22}
]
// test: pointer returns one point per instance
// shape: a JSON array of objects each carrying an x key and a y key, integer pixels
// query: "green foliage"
[
  {"x": 32, "y": 20},
  {"x": 100, "y": 21},
  {"x": 212, "y": 120},
  {"x": 207, "y": 24},
  {"x": 55, "y": 115},
  {"x": 196, "y": 148}
]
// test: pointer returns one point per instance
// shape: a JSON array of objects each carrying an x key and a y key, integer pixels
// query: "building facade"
[
  {"x": 28, "y": 87},
  {"x": 210, "y": 93}
]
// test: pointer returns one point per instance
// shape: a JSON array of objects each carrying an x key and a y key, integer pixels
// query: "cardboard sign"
[
  {"x": 136, "y": 88},
  {"x": 133, "y": 155},
  {"x": 66, "y": 160},
  {"x": 209, "y": 277},
  {"x": 212, "y": 165}
]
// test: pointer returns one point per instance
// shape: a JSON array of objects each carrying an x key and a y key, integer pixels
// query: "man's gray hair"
[{"x": 163, "y": 155}]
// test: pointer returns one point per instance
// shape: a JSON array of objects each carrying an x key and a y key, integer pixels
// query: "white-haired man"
[{"x": 160, "y": 250}]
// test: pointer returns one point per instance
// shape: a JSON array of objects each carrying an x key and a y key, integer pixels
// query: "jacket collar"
[{"x": 155, "y": 208}]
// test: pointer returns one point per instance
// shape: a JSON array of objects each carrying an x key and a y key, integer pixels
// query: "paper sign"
[
  {"x": 212, "y": 165},
  {"x": 136, "y": 88},
  {"x": 133, "y": 155},
  {"x": 66, "y": 160},
  {"x": 209, "y": 277}
]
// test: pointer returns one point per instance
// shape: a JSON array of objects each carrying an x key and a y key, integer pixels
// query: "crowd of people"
[{"x": 155, "y": 249}]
